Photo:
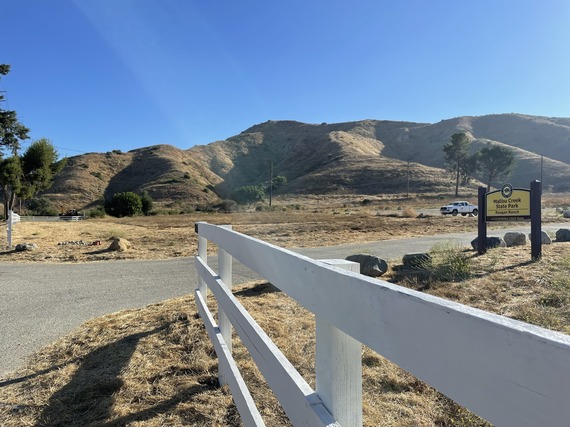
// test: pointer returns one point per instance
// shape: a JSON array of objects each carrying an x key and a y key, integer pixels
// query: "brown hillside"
[{"x": 364, "y": 157}]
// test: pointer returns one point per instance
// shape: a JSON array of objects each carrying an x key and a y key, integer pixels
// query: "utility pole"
[
  {"x": 270, "y": 181},
  {"x": 408, "y": 190}
]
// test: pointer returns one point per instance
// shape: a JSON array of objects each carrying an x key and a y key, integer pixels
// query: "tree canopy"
[
  {"x": 26, "y": 175},
  {"x": 496, "y": 163},
  {"x": 458, "y": 160},
  {"x": 248, "y": 194},
  {"x": 124, "y": 204},
  {"x": 11, "y": 130}
]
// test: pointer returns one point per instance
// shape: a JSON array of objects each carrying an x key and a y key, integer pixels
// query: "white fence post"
[
  {"x": 224, "y": 323},
  {"x": 12, "y": 219},
  {"x": 203, "y": 254},
  {"x": 338, "y": 366}
]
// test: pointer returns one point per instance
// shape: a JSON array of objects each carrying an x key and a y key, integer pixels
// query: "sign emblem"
[{"x": 506, "y": 190}]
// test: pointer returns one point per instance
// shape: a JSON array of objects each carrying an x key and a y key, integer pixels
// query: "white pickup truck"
[{"x": 463, "y": 208}]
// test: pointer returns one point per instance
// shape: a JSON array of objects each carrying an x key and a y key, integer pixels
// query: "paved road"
[{"x": 41, "y": 302}]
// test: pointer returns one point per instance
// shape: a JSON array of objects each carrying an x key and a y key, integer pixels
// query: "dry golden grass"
[
  {"x": 311, "y": 221},
  {"x": 155, "y": 366}
]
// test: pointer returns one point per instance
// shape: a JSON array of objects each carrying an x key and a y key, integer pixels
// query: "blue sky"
[{"x": 100, "y": 75}]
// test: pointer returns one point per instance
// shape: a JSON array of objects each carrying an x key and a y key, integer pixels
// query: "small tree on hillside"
[
  {"x": 496, "y": 163},
  {"x": 279, "y": 181}
]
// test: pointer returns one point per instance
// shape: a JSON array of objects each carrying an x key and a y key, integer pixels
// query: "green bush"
[
  {"x": 248, "y": 194},
  {"x": 41, "y": 206},
  {"x": 98, "y": 212},
  {"x": 146, "y": 201},
  {"x": 448, "y": 262},
  {"x": 124, "y": 204}
]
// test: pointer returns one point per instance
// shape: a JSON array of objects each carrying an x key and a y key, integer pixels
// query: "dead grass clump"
[{"x": 409, "y": 213}]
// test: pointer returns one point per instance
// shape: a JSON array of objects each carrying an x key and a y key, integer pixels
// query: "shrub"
[
  {"x": 227, "y": 206},
  {"x": 124, "y": 204},
  {"x": 41, "y": 206},
  {"x": 448, "y": 262},
  {"x": 409, "y": 213},
  {"x": 146, "y": 203},
  {"x": 248, "y": 194},
  {"x": 98, "y": 212}
]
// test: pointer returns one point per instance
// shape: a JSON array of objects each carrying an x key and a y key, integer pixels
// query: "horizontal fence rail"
[{"x": 508, "y": 372}]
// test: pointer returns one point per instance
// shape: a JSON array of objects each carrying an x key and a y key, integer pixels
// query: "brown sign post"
[{"x": 511, "y": 204}]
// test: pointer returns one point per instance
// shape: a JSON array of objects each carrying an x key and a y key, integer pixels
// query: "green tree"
[
  {"x": 248, "y": 194},
  {"x": 458, "y": 160},
  {"x": 24, "y": 176},
  {"x": 496, "y": 163},
  {"x": 279, "y": 181},
  {"x": 41, "y": 206},
  {"x": 146, "y": 201},
  {"x": 11, "y": 130},
  {"x": 10, "y": 181},
  {"x": 124, "y": 204},
  {"x": 40, "y": 165}
]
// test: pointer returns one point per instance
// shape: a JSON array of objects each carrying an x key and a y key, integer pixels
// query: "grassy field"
[{"x": 155, "y": 366}]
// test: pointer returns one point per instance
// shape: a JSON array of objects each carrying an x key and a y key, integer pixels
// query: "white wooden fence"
[{"x": 508, "y": 372}]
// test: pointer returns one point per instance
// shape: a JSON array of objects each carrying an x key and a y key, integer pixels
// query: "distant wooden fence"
[{"x": 508, "y": 372}]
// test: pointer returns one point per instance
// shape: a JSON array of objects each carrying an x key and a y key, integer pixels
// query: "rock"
[
  {"x": 544, "y": 238},
  {"x": 120, "y": 245},
  {"x": 21, "y": 247},
  {"x": 515, "y": 239},
  {"x": 563, "y": 235},
  {"x": 370, "y": 265},
  {"x": 566, "y": 214},
  {"x": 416, "y": 260},
  {"x": 492, "y": 242}
]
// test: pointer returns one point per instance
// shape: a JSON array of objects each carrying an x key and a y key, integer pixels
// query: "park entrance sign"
[
  {"x": 508, "y": 204},
  {"x": 511, "y": 204}
]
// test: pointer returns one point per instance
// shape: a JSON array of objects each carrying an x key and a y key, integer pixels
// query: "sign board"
[{"x": 507, "y": 204}]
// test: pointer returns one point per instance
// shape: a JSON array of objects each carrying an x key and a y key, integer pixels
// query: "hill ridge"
[{"x": 357, "y": 157}]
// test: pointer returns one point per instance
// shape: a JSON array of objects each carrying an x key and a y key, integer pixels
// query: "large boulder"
[
  {"x": 120, "y": 245},
  {"x": 563, "y": 235},
  {"x": 513, "y": 238},
  {"x": 416, "y": 260},
  {"x": 370, "y": 265},
  {"x": 492, "y": 242}
]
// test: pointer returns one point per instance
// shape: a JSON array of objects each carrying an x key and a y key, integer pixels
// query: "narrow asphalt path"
[{"x": 42, "y": 302}]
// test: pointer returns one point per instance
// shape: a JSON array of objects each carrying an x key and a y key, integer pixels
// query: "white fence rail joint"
[{"x": 508, "y": 372}]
